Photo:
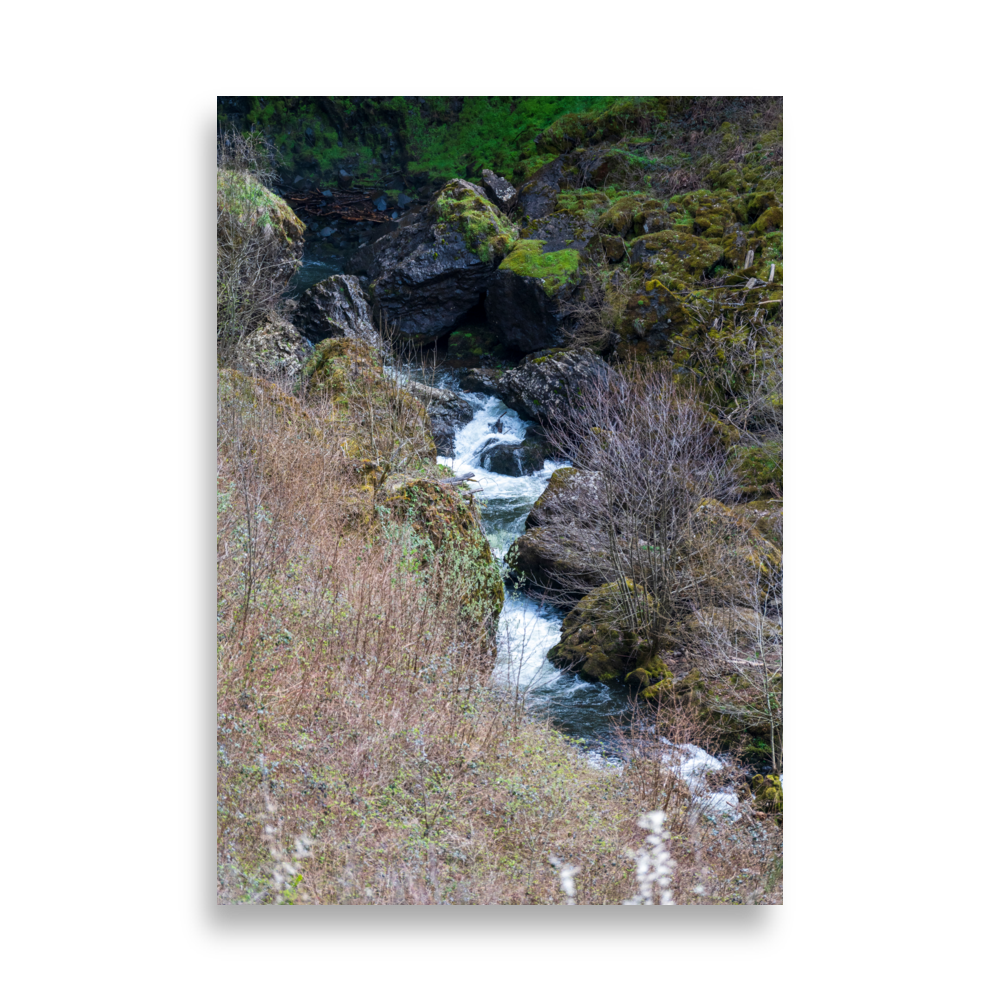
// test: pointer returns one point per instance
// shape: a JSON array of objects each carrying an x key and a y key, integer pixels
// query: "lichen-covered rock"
[
  {"x": 274, "y": 350},
  {"x": 448, "y": 411},
  {"x": 335, "y": 307},
  {"x": 500, "y": 191},
  {"x": 540, "y": 387},
  {"x": 451, "y": 525},
  {"x": 597, "y": 640},
  {"x": 242, "y": 198},
  {"x": 425, "y": 276}
]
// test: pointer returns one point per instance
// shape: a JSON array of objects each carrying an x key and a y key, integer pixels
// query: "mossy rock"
[
  {"x": 384, "y": 424},
  {"x": 450, "y": 523},
  {"x": 475, "y": 342},
  {"x": 552, "y": 270},
  {"x": 678, "y": 255},
  {"x": 770, "y": 220},
  {"x": 628, "y": 213},
  {"x": 736, "y": 245},
  {"x": 598, "y": 642},
  {"x": 487, "y": 232},
  {"x": 610, "y": 248},
  {"x": 769, "y": 792},
  {"x": 242, "y": 196},
  {"x": 766, "y": 516}
]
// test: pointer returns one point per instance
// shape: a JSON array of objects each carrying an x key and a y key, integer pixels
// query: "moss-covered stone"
[
  {"x": 677, "y": 255},
  {"x": 447, "y": 519},
  {"x": 769, "y": 793},
  {"x": 384, "y": 424},
  {"x": 770, "y": 220},
  {"x": 241, "y": 195},
  {"x": 553, "y": 270},
  {"x": 487, "y": 232},
  {"x": 597, "y": 641}
]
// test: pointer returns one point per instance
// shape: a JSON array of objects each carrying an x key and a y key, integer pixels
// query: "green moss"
[
  {"x": 474, "y": 342},
  {"x": 771, "y": 219},
  {"x": 769, "y": 792},
  {"x": 553, "y": 270},
  {"x": 759, "y": 468},
  {"x": 600, "y": 640},
  {"x": 239, "y": 194},
  {"x": 451, "y": 525},
  {"x": 678, "y": 255},
  {"x": 488, "y": 234}
]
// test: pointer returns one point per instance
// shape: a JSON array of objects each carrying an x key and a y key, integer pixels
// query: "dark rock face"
[
  {"x": 539, "y": 388},
  {"x": 537, "y": 195},
  {"x": 447, "y": 411},
  {"x": 509, "y": 459},
  {"x": 486, "y": 380},
  {"x": 427, "y": 274},
  {"x": 501, "y": 192},
  {"x": 521, "y": 312},
  {"x": 335, "y": 307}
]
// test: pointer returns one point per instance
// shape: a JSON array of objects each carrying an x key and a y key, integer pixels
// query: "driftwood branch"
[{"x": 457, "y": 479}]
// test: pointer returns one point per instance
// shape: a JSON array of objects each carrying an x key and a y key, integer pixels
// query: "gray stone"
[
  {"x": 335, "y": 307},
  {"x": 327, "y": 194},
  {"x": 500, "y": 191},
  {"x": 423, "y": 278},
  {"x": 326, "y": 232},
  {"x": 540, "y": 387},
  {"x": 485, "y": 380},
  {"x": 448, "y": 411}
]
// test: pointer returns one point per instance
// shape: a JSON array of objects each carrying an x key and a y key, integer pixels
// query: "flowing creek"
[
  {"x": 584, "y": 710},
  {"x": 528, "y": 629}
]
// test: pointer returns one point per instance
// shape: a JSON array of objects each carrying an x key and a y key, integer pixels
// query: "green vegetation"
[
  {"x": 553, "y": 270},
  {"x": 488, "y": 234}
]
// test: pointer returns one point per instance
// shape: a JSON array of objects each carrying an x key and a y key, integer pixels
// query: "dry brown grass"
[{"x": 365, "y": 756}]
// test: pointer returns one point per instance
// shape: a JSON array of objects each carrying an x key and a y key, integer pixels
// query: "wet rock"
[
  {"x": 539, "y": 388},
  {"x": 335, "y": 307},
  {"x": 515, "y": 459},
  {"x": 500, "y": 191},
  {"x": 327, "y": 232},
  {"x": 426, "y": 275},
  {"x": 448, "y": 412},
  {"x": 485, "y": 380}
]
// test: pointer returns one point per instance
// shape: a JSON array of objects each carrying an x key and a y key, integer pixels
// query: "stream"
[
  {"x": 589, "y": 712},
  {"x": 528, "y": 628}
]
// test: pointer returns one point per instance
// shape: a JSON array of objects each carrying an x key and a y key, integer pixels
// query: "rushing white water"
[{"x": 528, "y": 629}]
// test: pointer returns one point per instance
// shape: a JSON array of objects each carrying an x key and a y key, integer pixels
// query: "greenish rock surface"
[{"x": 597, "y": 641}]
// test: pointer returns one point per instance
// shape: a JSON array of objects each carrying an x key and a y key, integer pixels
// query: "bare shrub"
[{"x": 659, "y": 472}]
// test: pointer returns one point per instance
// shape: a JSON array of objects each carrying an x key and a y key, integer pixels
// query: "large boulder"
[
  {"x": 485, "y": 380},
  {"x": 274, "y": 350},
  {"x": 457, "y": 550},
  {"x": 448, "y": 412},
  {"x": 536, "y": 197},
  {"x": 563, "y": 553},
  {"x": 335, "y": 307},
  {"x": 597, "y": 639},
  {"x": 384, "y": 423},
  {"x": 517, "y": 459},
  {"x": 539, "y": 388},
  {"x": 426, "y": 275},
  {"x": 535, "y": 299}
]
